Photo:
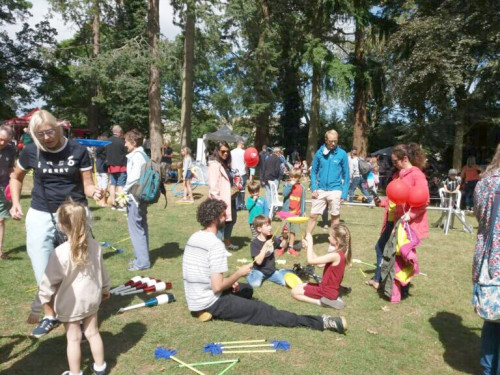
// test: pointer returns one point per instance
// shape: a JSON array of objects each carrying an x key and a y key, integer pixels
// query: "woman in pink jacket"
[
  {"x": 409, "y": 161},
  {"x": 220, "y": 181}
]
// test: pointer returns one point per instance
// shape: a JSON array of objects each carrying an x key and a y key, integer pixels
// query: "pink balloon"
[
  {"x": 7, "y": 193},
  {"x": 398, "y": 191},
  {"x": 251, "y": 157}
]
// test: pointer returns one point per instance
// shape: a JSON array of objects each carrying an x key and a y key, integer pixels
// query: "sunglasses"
[{"x": 224, "y": 151}]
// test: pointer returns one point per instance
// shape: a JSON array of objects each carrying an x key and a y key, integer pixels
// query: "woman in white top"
[{"x": 137, "y": 219}]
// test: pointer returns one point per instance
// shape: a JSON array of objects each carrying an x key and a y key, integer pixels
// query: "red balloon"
[
  {"x": 20, "y": 145},
  {"x": 251, "y": 157},
  {"x": 419, "y": 196},
  {"x": 398, "y": 191}
]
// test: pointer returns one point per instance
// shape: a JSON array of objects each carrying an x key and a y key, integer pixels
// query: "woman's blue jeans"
[
  {"x": 379, "y": 249},
  {"x": 490, "y": 348}
]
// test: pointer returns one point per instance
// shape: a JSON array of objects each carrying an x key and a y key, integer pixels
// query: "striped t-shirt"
[{"x": 204, "y": 255}]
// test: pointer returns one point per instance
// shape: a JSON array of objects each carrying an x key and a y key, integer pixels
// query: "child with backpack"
[
  {"x": 327, "y": 292},
  {"x": 136, "y": 209},
  {"x": 187, "y": 174},
  {"x": 73, "y": 286}
]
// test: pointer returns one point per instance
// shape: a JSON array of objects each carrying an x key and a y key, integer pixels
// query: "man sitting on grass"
[{"x": 211, "y": 295}]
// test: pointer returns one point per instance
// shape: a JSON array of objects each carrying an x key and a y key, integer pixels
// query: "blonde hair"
[
  {"x": 374, "y": 163},
  {"x": 471, "y": 161},
  {"x": 188, "y": 151},
  {"x": 495, "y": 163},
  {"x": 295, "y": 173},
  {"x": 343, "y": 236},
  {"x": 331, "y": 132},
  {"x": 72, "y": 218},
  {"x": 39, "y": 118}
]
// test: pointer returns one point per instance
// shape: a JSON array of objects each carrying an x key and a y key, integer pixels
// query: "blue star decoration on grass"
[{"x": 161, "y": 352}]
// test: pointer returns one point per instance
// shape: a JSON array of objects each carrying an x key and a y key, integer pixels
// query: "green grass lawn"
[{"x": 435, "y": 331}]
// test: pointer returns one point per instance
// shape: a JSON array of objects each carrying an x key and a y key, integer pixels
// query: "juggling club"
[
  {"x": 131, "y": 281},
  {"x": 141, "y": 285},
  {"x": 158, "y": 300},
  {"x": 143, "y": 280},
  {"x": 148, "y": 283},
  {"x": 158, "y": 287}
]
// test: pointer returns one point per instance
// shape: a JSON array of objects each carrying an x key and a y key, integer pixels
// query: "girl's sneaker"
[
  {"x": 95, "y": 372},
  {"x": 293, "y": 252},
  {"x": 280, "y": 252}
]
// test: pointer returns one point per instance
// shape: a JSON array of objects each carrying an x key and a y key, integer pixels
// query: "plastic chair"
[{"x": 275, "y": 200}]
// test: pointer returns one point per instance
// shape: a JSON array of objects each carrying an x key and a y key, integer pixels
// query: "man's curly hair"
[{"x": 210, "y": 210}]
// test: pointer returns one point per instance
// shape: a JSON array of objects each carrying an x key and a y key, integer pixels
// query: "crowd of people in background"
[{"x": 62, "y": 169}]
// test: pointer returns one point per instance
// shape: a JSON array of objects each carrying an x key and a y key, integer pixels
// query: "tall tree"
[
  {"x": 22, "y": 59},
  {"x": 119, "y": 69},
  {"x": 94, "y": 85},
  {"x": 187, "y": 73},
  {"x": 155, "y": 132},
  {"x": 443, "y": 59},
  {"x": 325, "y": 47}
]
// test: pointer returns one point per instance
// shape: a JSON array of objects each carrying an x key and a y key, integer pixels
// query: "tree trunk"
[
  {"x": 314, "y": 123},
  {"x": 262, "y": 91},
  {"x": 155, "y": 133},
  {"x": 360, "y": 140},
  {"x": 187, "y": 75},
  {"x": 94, "y": 85},
  {"x": 458, "y": 147}
]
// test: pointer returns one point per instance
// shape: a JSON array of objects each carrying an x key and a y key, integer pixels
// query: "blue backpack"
[{"x": 150, "y": 186}]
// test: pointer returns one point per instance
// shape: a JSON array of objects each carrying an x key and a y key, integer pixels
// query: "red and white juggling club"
[
  {"x": 131, "y": 281},
  {"x": 150, "y": 282},
  {"x": 142, "y": 280},
  {"x": 158, "y": 300},
  {"x": 158, "y": 287}
]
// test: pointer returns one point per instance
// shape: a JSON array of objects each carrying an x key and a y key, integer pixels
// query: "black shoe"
[{"x": 338, "y": 324}]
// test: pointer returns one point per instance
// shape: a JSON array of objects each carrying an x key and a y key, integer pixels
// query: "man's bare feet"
[{"x": 373, "y": 283}]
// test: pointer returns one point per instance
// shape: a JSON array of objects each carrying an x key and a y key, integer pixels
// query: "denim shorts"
[{"x": 118, "y": 178}]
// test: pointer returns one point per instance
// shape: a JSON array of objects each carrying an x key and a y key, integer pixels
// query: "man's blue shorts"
[{"x": 118, "y": 178}]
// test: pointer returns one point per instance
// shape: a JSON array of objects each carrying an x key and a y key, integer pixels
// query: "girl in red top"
[{"x": 334, "y": 261}]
